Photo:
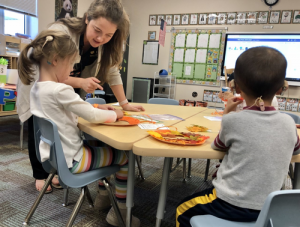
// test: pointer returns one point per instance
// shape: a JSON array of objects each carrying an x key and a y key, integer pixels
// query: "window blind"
[{"x": 28, "y": 7}]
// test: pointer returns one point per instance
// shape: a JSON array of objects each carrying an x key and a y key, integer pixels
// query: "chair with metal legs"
[
  {"x": 165, "y": 101},
  {"x": 46, "y": 130}
]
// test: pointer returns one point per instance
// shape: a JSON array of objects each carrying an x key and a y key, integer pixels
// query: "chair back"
[
  {"x": 37, "y": 134},
  {"x": 49, "y": 134},
  {"x": 96, "y": 101},
  {"x": 281, "y": 208},
  {"x": 163, "y": 101},
  {"x": 295, "y": 117}
]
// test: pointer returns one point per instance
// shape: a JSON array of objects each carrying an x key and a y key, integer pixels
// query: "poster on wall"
[
  {"x": 196, "y": 56},
  {"x": 65, "y": 9}
]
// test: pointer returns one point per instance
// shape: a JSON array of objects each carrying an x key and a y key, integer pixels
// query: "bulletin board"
[
  {"x": 150, "y": 52},
  {"x": 196, "y": 56}
]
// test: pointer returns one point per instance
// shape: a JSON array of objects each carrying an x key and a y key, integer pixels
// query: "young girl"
[
  {"x": 55, "y": 54},
  {"x": 100, "y": 36}
]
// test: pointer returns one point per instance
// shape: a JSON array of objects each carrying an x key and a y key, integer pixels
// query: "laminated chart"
[{"x": 196, "y": 56}]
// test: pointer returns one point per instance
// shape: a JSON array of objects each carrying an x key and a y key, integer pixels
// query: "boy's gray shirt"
[{"x": 259, "y": 147}]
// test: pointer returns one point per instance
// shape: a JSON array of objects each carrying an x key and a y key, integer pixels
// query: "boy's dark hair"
[{"x": 260, "y": 71}]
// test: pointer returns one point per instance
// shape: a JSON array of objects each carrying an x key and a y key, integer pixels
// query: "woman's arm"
[{"x": 120, "y": 95}]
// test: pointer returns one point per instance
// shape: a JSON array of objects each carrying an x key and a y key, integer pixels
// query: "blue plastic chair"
[
  {"x": 92, "y": 101},
  {"x": 96, "y": 101},
  {"x": 281, "y": 209},
  {"x": 163, "y": 101},
  {"x": 46, "y": 130},
  {"x": 296, "y": 118}
]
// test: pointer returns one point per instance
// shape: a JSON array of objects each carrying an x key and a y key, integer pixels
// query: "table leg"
[
  {"x": 163, "y": 192},
  {"x": 130, "y": 186},
  {"x": 296, "y": 184}
]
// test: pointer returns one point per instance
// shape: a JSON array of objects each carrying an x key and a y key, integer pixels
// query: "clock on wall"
[{"x": 271, "y": 2}]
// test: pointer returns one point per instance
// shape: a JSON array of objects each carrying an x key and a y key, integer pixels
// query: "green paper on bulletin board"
[
  {"x": 188, "y": 71},
  {"x": 177, "y": 69},
  {"x": 200, "y": 71}
]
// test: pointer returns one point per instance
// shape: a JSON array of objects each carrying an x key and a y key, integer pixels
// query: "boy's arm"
[
  {"x": 69, "y": 100},
  {"x": 220, "y": 141},
  {"x": 218, "y": 144}
]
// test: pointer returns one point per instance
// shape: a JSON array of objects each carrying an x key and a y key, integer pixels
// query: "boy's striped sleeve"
[{"x": 218, "y": 144}]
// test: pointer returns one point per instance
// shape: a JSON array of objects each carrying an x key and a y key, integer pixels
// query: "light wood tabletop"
[
  {"x": 123, "y": 137},
  {"x": 152, "y": 147}
]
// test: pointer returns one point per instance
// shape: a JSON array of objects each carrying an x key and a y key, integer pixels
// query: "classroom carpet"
[{"x": 17, "y": 188}]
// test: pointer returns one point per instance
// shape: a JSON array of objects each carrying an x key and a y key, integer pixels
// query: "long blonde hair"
[
  {"x": 61, "y": 46},
  {"x": 112, "y": 51}
]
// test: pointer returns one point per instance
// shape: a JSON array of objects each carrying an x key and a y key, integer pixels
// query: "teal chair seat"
[{"x": 281, "y": 209}]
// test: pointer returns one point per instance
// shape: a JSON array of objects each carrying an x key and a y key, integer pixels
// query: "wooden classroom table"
[
  {"x": 123, "y": 137},
  {"x": 151, "y": 147}
]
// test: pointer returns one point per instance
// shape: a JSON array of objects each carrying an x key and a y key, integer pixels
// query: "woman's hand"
[
  {"x": 90, "y": 84},
  {"x": 105, "y": 107},
  {"x": 232, "y": 104},
  {"x": 132, "y": 108}
]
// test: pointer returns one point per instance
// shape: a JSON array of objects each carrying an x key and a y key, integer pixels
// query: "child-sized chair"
[
  {"x": 281, "y": 208},
  {"x": 46, "y": 130},
  {"x": 296, "y": 118}
]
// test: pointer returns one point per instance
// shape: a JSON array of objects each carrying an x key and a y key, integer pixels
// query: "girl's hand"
[
  {"x": 232, "y": 104},
  {"x": 119, "y": 113},
  {"x": 105, "y": 107},
  {"x": 90, "y": 84},
  {"x": 132, "y": 108}
]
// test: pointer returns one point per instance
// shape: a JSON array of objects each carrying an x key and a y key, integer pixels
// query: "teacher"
[{"x": 101, "y": 36}]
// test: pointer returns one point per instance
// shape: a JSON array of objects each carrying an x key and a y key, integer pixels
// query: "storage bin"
[{"x": 9, "y": 106}]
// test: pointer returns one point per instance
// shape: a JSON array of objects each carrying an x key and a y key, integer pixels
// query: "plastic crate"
[{"x": 9, "y": 106}]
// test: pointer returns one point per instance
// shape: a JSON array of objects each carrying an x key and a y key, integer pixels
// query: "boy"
[{"x": 259, "y": 143}]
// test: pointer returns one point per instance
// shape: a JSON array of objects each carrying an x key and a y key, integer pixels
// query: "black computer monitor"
[{"x": 287, "y": 44}]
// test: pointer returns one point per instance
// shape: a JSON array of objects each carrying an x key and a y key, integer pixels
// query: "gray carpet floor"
[{"x": 17, "y": 188}]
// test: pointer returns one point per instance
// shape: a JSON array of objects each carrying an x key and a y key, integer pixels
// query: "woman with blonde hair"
[{"x": 100, "y": 36}]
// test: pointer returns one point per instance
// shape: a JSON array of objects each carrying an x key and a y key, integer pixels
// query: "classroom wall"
[
  {"x": 139, "y": 11},
  {"x": 46, "y": 11}
]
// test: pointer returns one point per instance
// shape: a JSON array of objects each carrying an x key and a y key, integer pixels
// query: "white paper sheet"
[
  {"x": 116, "y": 104},
  {"x": 180, "y": 40},
  {"x": 189, "y": 55},
  {"x": 152, "y": 126},
  {"x": 188, "y": 70},
  {"x": 214, "y": 41},
  {"x": 201, "y": 56},
  {"x": 178, "y": 55},
  {"x": 191, "y": 40},
  {"x": 203, "y": 40},
  {"x": 151, "y": 53},
  {"x": 213, "y": 118}
]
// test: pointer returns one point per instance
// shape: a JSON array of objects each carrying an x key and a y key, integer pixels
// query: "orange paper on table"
[{"x": 178, "y": 138}]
